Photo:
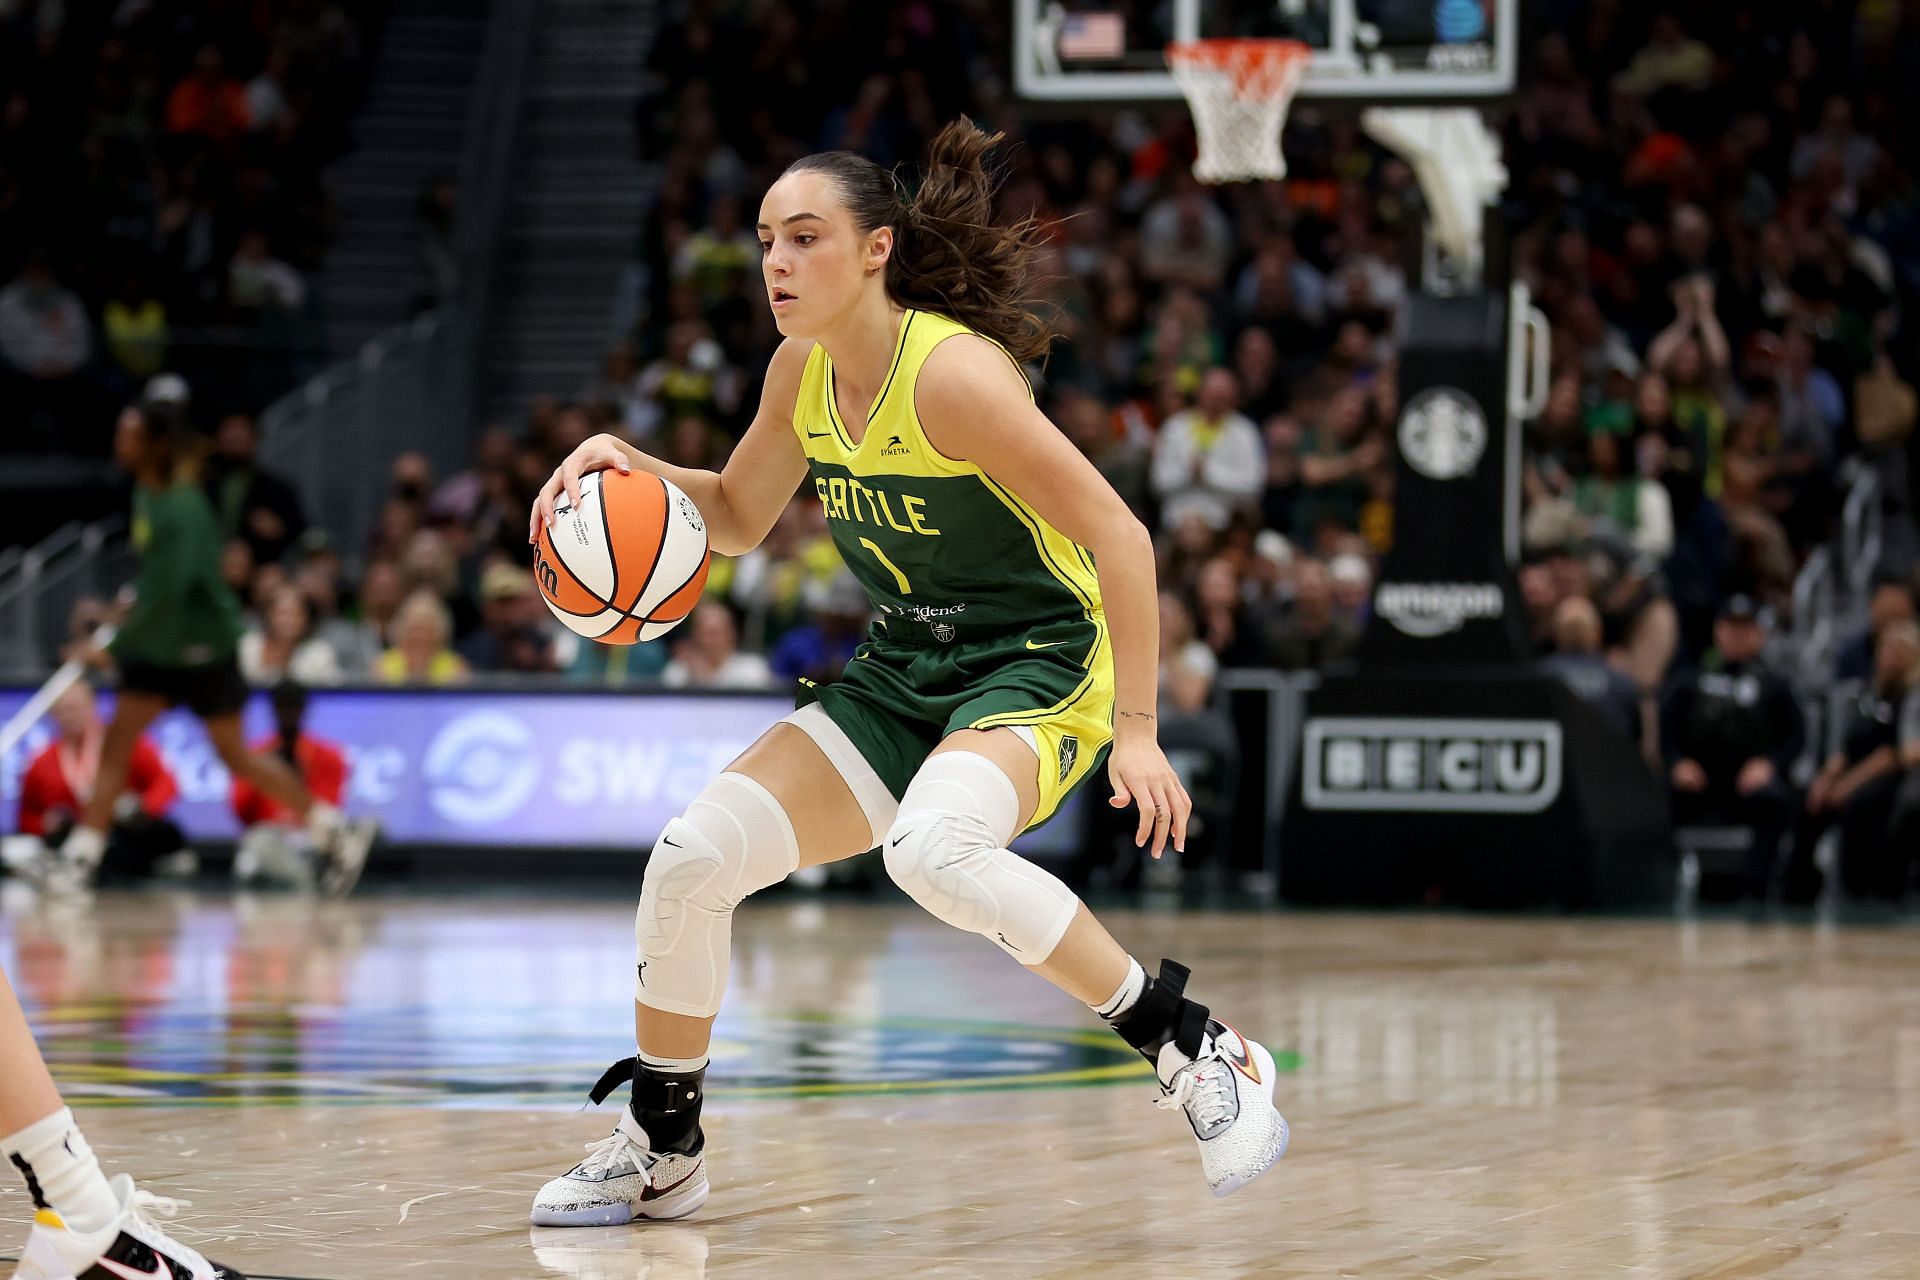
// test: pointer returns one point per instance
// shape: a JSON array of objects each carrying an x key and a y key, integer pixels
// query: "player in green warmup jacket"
[{"x": 178, "y": 647}]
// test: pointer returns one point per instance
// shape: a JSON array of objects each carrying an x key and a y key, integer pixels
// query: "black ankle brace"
[
  {"x": 1164, "y": 1015},
  {"x": 666, "y": 1105}
]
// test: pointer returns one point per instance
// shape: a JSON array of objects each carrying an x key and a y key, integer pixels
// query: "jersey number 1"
[{"x": 890, "y": 566}]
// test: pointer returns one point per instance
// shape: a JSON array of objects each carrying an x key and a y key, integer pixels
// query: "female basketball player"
[
  {"x": 179, "y": 646},
  {"x": 84, "y": 1224},
  {"x": 1016, "y": 646}
]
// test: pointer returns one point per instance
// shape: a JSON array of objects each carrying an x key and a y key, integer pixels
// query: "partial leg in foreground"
[{"x": 85, "y": 1226}]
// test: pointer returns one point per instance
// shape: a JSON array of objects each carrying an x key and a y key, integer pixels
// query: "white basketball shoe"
[
  {"x": 1227, "y": 1093},
  {"x": 622, "y": 1179},
  {"x": 127, "y": 1248}
]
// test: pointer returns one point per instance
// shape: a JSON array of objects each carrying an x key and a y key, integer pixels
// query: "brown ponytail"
[{"x": 949, "y": 255}]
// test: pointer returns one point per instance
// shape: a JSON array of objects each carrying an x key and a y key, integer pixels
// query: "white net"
[{"x": 1239, "y": 91}]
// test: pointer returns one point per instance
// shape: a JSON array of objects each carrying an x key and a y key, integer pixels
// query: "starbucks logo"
[{"x": 1443, "y": 433}]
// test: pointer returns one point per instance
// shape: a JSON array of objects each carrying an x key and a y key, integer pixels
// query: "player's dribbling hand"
[
  {"x": 1140, "y": 773},
  {"x": 597, "y": 453}
]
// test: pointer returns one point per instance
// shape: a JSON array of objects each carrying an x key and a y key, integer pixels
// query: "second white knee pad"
[
  {"x": 947, "y": 849},
  {"x": 733, "y": 839}
]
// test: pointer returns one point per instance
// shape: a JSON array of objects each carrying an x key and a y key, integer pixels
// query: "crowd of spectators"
[
  {"x": 160, "y": 200},
  {"x": 1715, "y": 206}
]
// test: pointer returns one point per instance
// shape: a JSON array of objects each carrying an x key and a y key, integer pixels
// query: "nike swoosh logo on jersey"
[
  {"x": 1242, "y": 1061},
  {"x": 818, "y": 435},
  {"x": 1048, "y": 645},
  {"x": 162, "y": 1269}
]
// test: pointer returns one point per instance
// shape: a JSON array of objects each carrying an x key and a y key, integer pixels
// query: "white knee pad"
[
  {"x": 947, "y": 849},
  {"x": 733, "y": 839}
]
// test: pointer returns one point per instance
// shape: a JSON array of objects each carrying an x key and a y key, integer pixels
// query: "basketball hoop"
[{"x": 1239, "y": 91}]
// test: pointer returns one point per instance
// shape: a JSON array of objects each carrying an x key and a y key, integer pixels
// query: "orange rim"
[{"x": 1259, "y": 68}]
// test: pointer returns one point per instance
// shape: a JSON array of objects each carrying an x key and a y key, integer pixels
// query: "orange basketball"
[{"x": 628, "y": 563}]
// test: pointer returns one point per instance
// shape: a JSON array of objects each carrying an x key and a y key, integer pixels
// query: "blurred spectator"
[
  {"x": 355, "y": 645},
  {"x": 383, "y": 589},
  {"x": 1187, "y": 663},
  {"x": 134, "y": 329},
  {"x": 1221, "y": 618},
  {"x": 1617, "y": 501},
  {"x": 1731, "y": 734},
  {"x": 257, "y": 281},
  {"x": 618, "y": 387},
  {"x": 254, "y": 504},
  {"x": 268, "y": 105},
  {"x": 1352, "y": 581},
  {"x": 1312, "y": 634},
  {"x": 820, "y": 648},
  {"x": 512, "y": 636},
  {"x": 45, "y": 341},
  {"x": 1857, "y": 785},
  {"x": 1207, "y": 461},
  {"x": 208, "y": 101},
  {"x": 1184, "y": 238},
  {"x": 690, "y": 379},
  {"x": 282, "y": 644},
  {"x": 1121, "y": 461},
  {"x": 1893, "y": 875},
  {"x": 1280, "y": 498},
  {"x": 56, "y": 783},
  {"x": 422, "y": 634},
  {"x": 1335, "y": 458},
  {"x": 1197, "y": 736},
  {"x": 709, "y": 656},
  {"x": 274, "y": 844},
  {"x": 720, "y": 258},
  {"x": 1892, "y": 602},
  {"x": 1671, "y": 59},
  {"x": 772, "y": 583},
  {"x": 1577, "y": 661}
]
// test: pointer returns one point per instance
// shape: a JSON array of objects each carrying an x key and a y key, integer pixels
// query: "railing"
[
  {"x": 406, "y": 390},
  {"x": 413, "y": 387},
  {"x": 41, "y": 585}
]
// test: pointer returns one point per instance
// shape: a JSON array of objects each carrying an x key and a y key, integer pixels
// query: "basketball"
[{"x": 628, "y": 563}]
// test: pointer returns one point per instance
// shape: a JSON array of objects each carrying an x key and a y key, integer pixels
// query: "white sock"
[
  {"x": 84, "y": 847},
  {"x": 672, "y": 1066},
  {"x": 61, "y": 1171},
  {"x": 1132, "y": 987}
]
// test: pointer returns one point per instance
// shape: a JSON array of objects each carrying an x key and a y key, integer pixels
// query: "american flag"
[{"x": 1093, "y": 35}]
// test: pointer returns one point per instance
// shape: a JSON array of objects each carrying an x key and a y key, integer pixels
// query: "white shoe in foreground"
[
  {"x": 621, "y": 1179},
  {"x": 127, "y": 1248},
  {"x": 1227, "y": 1093}
]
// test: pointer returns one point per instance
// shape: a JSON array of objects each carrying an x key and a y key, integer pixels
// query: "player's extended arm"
[
  {"x": 974, "y": 406},
  {"x": 741, "y": 501}
]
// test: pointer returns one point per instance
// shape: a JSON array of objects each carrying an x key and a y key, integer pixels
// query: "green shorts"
[{"x": 906, "y": 690}]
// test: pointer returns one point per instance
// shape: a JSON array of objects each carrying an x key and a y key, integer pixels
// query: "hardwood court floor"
[{"x": 376, "y": 1088}]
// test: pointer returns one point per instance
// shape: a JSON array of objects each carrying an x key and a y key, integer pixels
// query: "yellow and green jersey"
[{"x": 937, "y": 543}]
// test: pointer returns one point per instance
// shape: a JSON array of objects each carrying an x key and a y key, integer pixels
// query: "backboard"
[{"x": 1373, "y": 51}]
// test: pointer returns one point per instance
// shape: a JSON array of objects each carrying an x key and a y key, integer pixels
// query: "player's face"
[
  {"x": 130, "y": 439},
  {"x": 813, "y": 259}
]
